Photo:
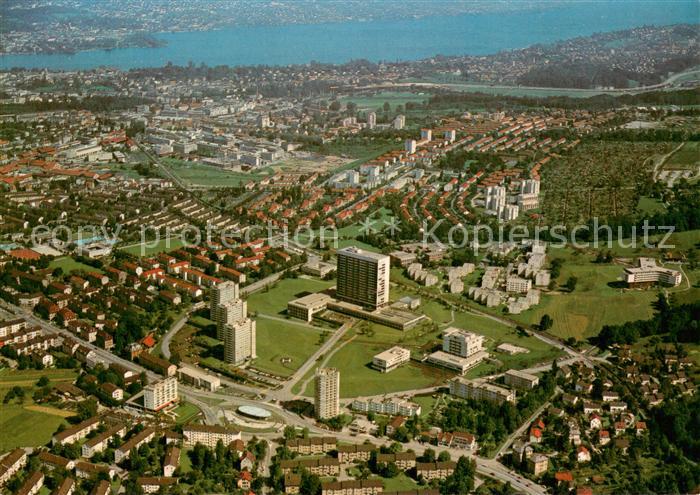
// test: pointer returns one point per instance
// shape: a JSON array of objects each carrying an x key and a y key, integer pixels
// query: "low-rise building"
[
  {"x": 11, "y": 464},
  {"x": 153, "y": 484},
  {"x": 392, "y": 406},
  {"x": 348, "y": 454},
  {"x": 352, "y": 487},
  {"x": 435, "y": 470},
  {"x": 521, "y": 380},
  {"x": 467, "y": 389},
  {"x": 391, "y": 359},
  {"x": 198, "y": 378},
  {"x": 208, "y": 435},
  {"x": 313, "y": 445},
  {"x": 123, "y": 451}
]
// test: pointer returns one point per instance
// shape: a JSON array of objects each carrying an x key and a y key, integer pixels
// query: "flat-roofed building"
[
  {"x": 327, "y": 396},
  {"x": 461, "y": 343},
  {"x": 363, "y": 277},
  {"x": 649, "y": 273},
  {"x": 198, "y": 378},
  {"x": 521, "y": 380},
  {"x": 468, "y": 389},
  {"x": 318, "y": 268},
  {"x": 208, "y": 435},
  {"x": 306, "y": 307},
  {"x": 391, "y": 359},
  {"x": 160, "y": 394},
  {"x": 393, "y": 406},
  {"x": 518, "y": 285},
  {"x": 456, "y": 363}
]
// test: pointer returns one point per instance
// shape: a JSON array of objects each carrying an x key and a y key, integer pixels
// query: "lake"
[{"x": 408, "y": 39}]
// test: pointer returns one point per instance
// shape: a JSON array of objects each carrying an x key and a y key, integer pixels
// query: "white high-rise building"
[
  {"x": 371, "y": 120},
  {"x": 410, "y": 146},
  {"x": 363, "y": 277},
  {"x": 233, "y": 326},
  {"x": 399, "y": 122},
  {"x": 530, "y": 186},
  {"x": 327, "y": 393},
  {"x": 159, "y": 394},
  {"x": 239, "y": 341},
  {"x": 495, "y": 198}
]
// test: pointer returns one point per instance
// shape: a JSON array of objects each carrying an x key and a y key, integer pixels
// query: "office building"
[
  {"x": 160, "y": 394},
  {"x": 198, "y": 378},
  {"x": 461, "y": 343},
  {"x": 391, "y": 359},
  {"x": 307, "y": 306},
  {"x": 327, "y": 393},
  {"x": 363, "y": 277}
]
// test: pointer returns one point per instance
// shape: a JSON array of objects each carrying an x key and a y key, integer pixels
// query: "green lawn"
[
  {"x": 376, "y": 101},
  {"x": 399, "y": 483},
  {"x": 186, "y": 412},
  {"x": 274, "y": 301},
  {"x": 151, "y": 248},
  {"x": 199, "y": 174},
  {"x": 688, "y": 157},
  {"x": 68, "y": 265},
  {"x": 649, "y": 206},
  {"x": 277, "y": 340}
]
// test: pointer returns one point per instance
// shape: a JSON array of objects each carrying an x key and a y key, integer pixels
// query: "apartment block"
[
  {"x": 327, "y": 393},
  {"x": 77, "y": 432},
  {"x": 11, "y": 464},
  {"x": 348, "y": 454},
  {"x": 467, "y": 389},
  {"x": 363, "y": 277},
  {"x": 123, "y": 451},
  {"x": 160, "y": 394},
  {"x": 208, "y": 435},
  {"x": 313, "y": 445},
  {"x": 100, "y": 442},
  {"x": 392, "y": 406},
  {"x": 435, "y": 470},
  {"x": 521, "y": 380}
]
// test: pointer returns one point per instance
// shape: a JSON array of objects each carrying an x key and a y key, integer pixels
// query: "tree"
[
  {"x": 87, "y": 409},
  {"x": 290, "y": 433},
  {"x": 546, "y": 322},
  {"x": 462, "y": 480},
  {"x": 571, "y": 283},
  {"x": 444, "y": 456},
  {"x": 310, "y": 484}
]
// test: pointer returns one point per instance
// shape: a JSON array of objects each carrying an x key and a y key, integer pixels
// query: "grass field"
[
  {"x": 377, "y": 100},
  {"x": 151, "y": 248},
  {"x": 186, "y": 412},
  {"x": 594, "y": 303},
  {"x": 688, "y": 157},
  {"x": 399, "y": 483},
  {"x": 299, "y": 342},
  {"x": 199, "y": 174},
  {"x": 274, "y": 301},
  {"x": 31, "y": 425},
  {"x": 649, "y": 206},
  {"x": 68, "y": 265}
]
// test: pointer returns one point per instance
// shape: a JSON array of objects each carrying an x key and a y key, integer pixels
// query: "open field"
[
  {"x": 273, "y": 301},
  {"x": 68, "y": 265},
  {"x": 648, "y": 206},
  {"x": 399, "y": 483},
  {"x": 155, "y": 247},
  {"x": 29, "y": 428},
  {"x": 688, "y": 157},
  {"x": 596, "y": 300},
  {"x": 199, "y": 174},
  {"x": 32, "y": 424},
  {"x": 277, "y": 340},
  {"x": 376, "y": 101}
]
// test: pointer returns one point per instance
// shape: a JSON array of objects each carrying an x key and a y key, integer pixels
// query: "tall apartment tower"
[
  {"x": 371, "y": 120},
  {"x": 233, "y": 326},
  {"x": 327, "y": 393},
  {"x": 399, "y": 122},
  {"x": 363, "y": 277}
]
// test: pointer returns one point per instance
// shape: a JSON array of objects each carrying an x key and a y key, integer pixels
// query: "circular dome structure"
[{"x": 254, "y": 412}]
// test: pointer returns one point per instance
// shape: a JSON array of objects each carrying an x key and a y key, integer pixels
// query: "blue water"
[{"x": 473, "y": 34}]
